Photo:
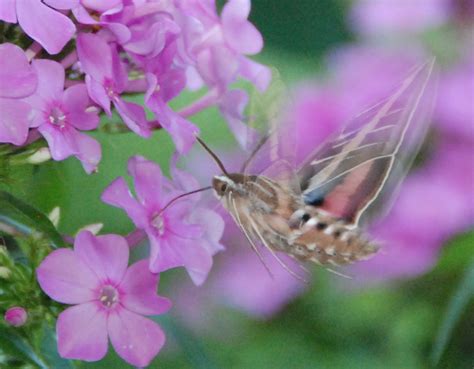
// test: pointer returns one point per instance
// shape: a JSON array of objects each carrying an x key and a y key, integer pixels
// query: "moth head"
[{"x": 221, "y": 185}]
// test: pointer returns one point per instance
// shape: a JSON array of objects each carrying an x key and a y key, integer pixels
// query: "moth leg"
[
  {"x": 281, "y": 262},
  {"x": 249, "y": 239},
  {"x": 339, "y": 273}
]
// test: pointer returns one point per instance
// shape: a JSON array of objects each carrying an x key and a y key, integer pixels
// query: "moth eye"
[
  {"x": 223, "y": 187},
  {"x": 321, "y": 226},
  {"x": 305, "y": 217}
]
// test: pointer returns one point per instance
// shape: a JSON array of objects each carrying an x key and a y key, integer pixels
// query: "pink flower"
[
  {"x": 59, "y": 115},
  {"x": 40, "y": 21},
  {"x": 17, "y": 80},
  {"x": 108, "y": 297},
  {"x": 454, "y": 107},
  {"x": 16, "y": 316},
  {"x": 218, "y": 45},
  {"x": 177, "y": 237},
  {"x": 106, "y": 79},
  {"x": 374, "y": 17}
]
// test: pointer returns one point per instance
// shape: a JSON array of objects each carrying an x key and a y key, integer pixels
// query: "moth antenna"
[
  {"x": 213, "y": 155},
  {"x": 181, "y": 196}
]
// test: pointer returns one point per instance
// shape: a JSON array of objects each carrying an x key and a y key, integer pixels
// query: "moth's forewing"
[{"x": 347, "y": 174}]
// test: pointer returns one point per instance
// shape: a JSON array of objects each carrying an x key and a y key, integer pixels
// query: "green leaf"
[
  {"x": 49, "y": 351},
  {"x": 26, "y": 219},
  {"x": 14, "y": 346},
  {"x": 463, "y": 294},
  {"x": 192, "y": 348}
]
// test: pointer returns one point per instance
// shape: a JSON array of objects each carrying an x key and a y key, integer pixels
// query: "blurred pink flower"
[
  {"x": 40, "y": 21},
  {"x": 109, "y": 300},
  {"x": 106, "y": 79},
  {"x": 177, "y": 237},
  {"x": 375, "y": 17},
  {"x": 17, "y": 80},
  {"x": 455, "y": 104},
  {"x": 60, "y": 114},
  {"x": 16, "y": 316}
]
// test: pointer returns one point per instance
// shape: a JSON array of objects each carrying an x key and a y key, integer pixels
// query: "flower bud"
[
  {"x": 16, "y": 316},
  {"x": 40, "y": 156}
]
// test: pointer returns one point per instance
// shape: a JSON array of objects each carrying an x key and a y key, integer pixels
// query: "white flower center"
[
  {"x": 109, "y": 296},
  {"x": 158, "y": 223},
  {"x": 57, "y": 117}
]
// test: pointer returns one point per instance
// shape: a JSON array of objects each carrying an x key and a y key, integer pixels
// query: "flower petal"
[
  {"x": 181, "y": 130},
  {"x": 50, "y": 79},
  {"x": 42, "y": 23},
  {"x": 136, "y": 339},
  {"x": 239, "y": 33},
  {"x": 106, "y": 255},
  {"x": 118, "y": 194},
  {"x": 64, "y": 277},
  {"x": 95, "y": 56},
  {"x": 88, "y": 152},
  {"x": 17, "y": 77},
  {"x": 133, "y": 116},
  {"x": 260, "y": 75},
  {"x": 163, "y": 254},
  {"x": 14, "y": 121},
  {"x": 60, "y": 140},
  {"x": 98, "y": 94},
  {"x": 148, "y": 181},
  {"x": 62, "y": 4},
  {"x": 196, "y": 259},
  {"x": 213, "y": 226},
  {"x": 139, "y": 286},
  {"x": 8, "y": 11},
  {"x": 82, "y": 332},
  {"x": 76, "y": 98}
]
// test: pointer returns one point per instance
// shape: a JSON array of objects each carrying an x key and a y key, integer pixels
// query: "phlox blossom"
[{"x": 109, "y": 300}]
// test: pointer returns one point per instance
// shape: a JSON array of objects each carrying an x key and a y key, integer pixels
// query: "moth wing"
[
  {"x": 273, "y": 153},
  {"x": 372, "y": 153}
]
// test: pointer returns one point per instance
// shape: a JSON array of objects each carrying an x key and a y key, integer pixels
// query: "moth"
[{"x": 313, "y": 212}]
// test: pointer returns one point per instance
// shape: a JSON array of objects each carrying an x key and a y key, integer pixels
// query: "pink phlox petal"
[
  {"x": 62, "y": 4},
  {"x": 75, "y": 101},
  {"x": 139, "y": 291},
  {"x": 15, "y": 120},
  {"x": 133, "y": 116},
  {"x": 102, "y": 5},
  {"x": 147, "y": 180},
  {"x": 17, "y": 77},
  {"x": 136, "y": 339},
  {"x": 82, "y": 332},
  {"x": 50, "y": 79},
  {"x": 42, "y": 23},
  {"x": 98, "y": 93},
  {"x": 150, "y": 37},
  {"x": 239, "y": 33},
  {"x": 181, "y": 130},
  {"x": 218, "y": 66},
  {"x": 64, "y": 277},
  {"x": 232, "y": 105},
  {"x": 89, "y": 151},
  {"x": 213, "y": 226},
  {"x": 96, "y": 58},
  {"x": 8, "y": 11},
  {"x": 61, "y": 140},
  {"x": 117, "y": 194},
  {"x": 259, "y": 74},
  {"x": 107, "y": 255}
]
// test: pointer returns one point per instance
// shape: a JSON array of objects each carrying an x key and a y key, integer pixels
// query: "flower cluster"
[
  {"x": 62, "y": 65},
  {"x": 114, "y": 48}
]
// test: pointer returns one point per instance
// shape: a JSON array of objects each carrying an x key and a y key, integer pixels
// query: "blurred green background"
[{"x": 406, "y": 324}]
